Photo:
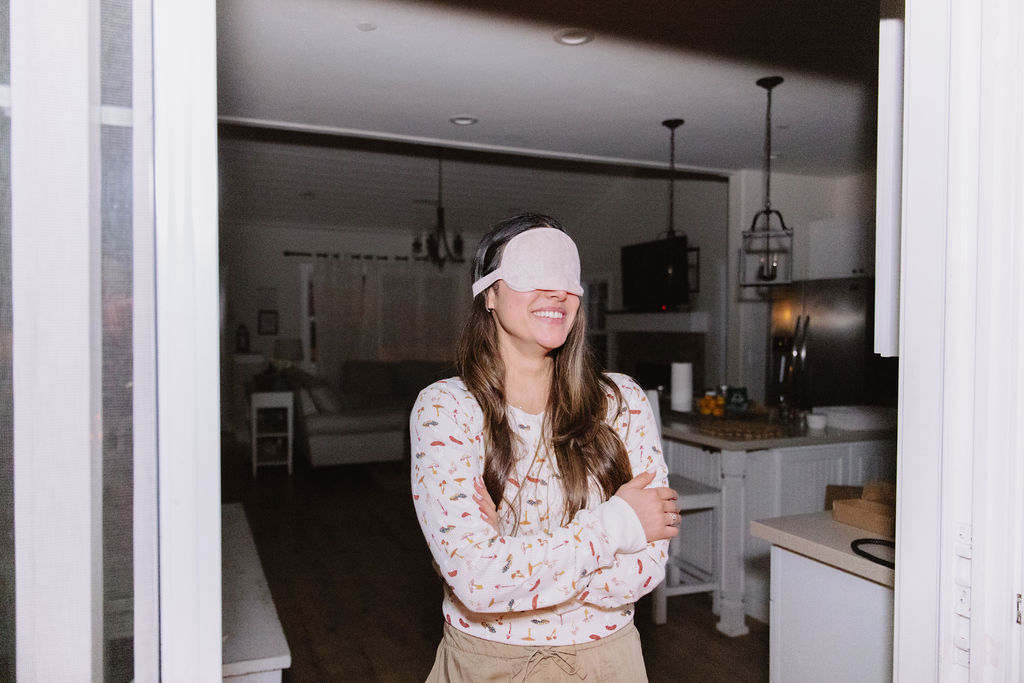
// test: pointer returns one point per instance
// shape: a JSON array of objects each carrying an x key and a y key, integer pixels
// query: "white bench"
[{"x": 255, "y": 649}]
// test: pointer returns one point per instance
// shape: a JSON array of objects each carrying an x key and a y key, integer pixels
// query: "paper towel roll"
[{"x": 682, "y": 387}]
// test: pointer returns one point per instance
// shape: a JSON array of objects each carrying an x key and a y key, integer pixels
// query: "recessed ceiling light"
[
  {"x": 573, "y": 36},
  {"x": 366, "y": 26},
  {"x": 463, "y": 120}
]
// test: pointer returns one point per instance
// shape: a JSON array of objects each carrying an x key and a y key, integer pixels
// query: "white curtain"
[{"x": 387, "y": 310}]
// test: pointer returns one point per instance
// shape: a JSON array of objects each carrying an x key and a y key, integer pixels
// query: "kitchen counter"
[
  {"x": 821, "y": 538},
  {"x": 685, "y": 427},
  {"x": 761, "y": 478},
  {"x": 831, "y": 610}
]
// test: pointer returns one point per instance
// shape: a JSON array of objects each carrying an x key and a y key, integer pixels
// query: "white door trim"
[
  {"x": 145, "y": 526},
  {"x": 55, "y": 256},
  {"x": 959, "y": 520},
  {"x": 922, "y": 273},
  {"x": 998, "y": 389},
  {"x": 188, "y": 392}
]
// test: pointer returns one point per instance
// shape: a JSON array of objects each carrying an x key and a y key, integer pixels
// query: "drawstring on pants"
[{"x": 564, "y": 659}]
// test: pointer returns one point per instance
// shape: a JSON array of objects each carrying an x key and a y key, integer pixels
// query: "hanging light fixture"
[
  {"x": 438, "y": 250},
  {"x": 766, "y": 252}
]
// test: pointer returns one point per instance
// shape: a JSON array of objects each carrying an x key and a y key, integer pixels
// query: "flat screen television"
[{"x": 656, "y": 275}]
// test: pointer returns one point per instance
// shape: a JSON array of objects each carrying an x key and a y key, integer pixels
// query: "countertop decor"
[{"x": 753, "y": 435}]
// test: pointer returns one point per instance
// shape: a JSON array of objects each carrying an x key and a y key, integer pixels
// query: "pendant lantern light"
[{"x": 766, "y": 251}]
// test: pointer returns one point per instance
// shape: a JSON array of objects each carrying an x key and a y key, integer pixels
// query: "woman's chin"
[{"x": 549, "y": 344}]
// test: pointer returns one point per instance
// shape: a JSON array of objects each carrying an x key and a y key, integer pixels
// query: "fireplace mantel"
[{"x": 692, "y": 321}]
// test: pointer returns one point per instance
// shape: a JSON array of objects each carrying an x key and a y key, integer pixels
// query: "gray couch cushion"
[
  {"x": 409, "y": 377},
  {"x": 356, "y": 421},
  {"x": 366, "y": 378}
]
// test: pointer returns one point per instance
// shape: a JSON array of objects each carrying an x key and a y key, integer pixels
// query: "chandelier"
[
  {"x": 438, "y": 250},
  {"x": 766, "y": 253}
]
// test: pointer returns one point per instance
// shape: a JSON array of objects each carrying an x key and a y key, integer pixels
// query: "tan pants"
[{"x": 463, "y": 658}]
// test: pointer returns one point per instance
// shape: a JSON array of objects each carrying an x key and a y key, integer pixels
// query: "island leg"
[{"x": 732, "y": 544}]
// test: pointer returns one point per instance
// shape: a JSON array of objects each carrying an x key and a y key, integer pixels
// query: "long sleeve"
[
  {"x": 490, "y": 573},
  {"x": 633, "y": 575}
]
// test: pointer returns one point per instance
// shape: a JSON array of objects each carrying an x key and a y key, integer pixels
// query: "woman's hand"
[
  {"x": 488, "y": 512},
  {"x": 655, "y": 507}
]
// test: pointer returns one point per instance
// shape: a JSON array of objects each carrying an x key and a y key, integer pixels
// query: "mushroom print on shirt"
[{"x": 548, "y": 584}]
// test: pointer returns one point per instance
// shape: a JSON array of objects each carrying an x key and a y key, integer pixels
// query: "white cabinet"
[
  {"x": 834, "y": 248},
  {"x": 827, "y": 624}
]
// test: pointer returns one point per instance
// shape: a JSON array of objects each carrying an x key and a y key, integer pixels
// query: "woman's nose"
[{"x": 558, "y": 294}]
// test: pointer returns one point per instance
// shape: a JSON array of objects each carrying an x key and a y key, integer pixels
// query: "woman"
[{"x": 529, "y": 476}]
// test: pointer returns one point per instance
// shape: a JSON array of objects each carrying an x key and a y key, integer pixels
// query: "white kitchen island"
[
  {"x": 759, "y": 479},
  {"x": 831, "y": 610}
]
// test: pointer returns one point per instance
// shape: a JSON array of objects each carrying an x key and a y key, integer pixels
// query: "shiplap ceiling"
[{"x": 332, "y": 110}]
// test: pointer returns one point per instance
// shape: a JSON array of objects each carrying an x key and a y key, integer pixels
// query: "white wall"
[
  {"x": 712, "y": 214},
  {"x": 802, "y": 200},
  {"x": 633, "y": 210}
]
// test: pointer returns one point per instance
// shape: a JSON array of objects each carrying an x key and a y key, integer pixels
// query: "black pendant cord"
[
  {"x": 441, "y": 236},
  {"x": 768, "y": 154},
  {"x": 768, "y": 271},
  {"x": 855, "y": 546},
  {"x": 672, "y": 124},
  {"x": 768, "y": 83}
]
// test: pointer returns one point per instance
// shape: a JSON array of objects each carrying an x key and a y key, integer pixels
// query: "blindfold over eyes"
[{"x": 541, "y": 258}]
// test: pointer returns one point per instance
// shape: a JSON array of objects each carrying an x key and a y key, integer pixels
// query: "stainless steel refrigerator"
[{"x": 820, "y": 346}]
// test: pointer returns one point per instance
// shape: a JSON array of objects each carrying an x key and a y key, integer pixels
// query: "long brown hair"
[{"x": 586, "y": 448}]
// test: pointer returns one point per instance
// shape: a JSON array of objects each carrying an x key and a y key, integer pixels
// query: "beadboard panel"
[
  {"x": 697, "y": 528},
  {"x": 781, "y": 481}
]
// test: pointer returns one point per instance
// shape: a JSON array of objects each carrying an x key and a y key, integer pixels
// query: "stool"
[{"x": 682, "y": 577}]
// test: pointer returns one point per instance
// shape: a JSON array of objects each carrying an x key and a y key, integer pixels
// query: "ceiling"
[{"x": 317, "y": 79}]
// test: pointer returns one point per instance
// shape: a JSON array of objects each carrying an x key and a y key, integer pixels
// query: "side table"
[{"x": 271, "y": 432}]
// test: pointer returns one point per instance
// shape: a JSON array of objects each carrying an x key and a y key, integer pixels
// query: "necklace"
[{"x": 515, "y": 505}]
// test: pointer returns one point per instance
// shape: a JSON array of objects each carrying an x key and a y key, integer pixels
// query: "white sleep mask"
[{"x": 539, "y": 258}]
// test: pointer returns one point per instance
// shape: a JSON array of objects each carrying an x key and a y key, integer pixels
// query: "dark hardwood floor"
[{"x": 358, "y": 600}]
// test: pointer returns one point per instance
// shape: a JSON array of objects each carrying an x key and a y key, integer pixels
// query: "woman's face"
[{"x": 534, "y": 322}]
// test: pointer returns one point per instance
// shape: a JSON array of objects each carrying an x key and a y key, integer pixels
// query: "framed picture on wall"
[{"x": 266, "y": 322}]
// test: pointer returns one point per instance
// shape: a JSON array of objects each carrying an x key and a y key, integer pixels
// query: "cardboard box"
[
  {"x": 866, "y": 514},
  {"x": 834, "y": 492},
  {"x": 880, "y": 492}
]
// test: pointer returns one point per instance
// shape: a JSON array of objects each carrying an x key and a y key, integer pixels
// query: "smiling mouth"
[{"x": 554, "y": 315}]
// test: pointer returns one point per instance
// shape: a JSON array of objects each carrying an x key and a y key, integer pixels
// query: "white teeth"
[{"x": 549, "y": 314}]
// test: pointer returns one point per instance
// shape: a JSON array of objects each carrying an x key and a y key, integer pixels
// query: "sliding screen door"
[
  {"x": 7, "y": 618},
  {"x": 108, "y": 341}
]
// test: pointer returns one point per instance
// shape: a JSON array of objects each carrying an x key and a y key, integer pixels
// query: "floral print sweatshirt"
[{"x": 548, "y": 584}]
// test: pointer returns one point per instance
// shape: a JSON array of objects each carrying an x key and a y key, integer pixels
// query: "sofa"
[{"x": 364, "y": 416}]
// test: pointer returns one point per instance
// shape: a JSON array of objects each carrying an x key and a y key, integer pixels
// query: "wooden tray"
[{"x": 740, "y": 429}]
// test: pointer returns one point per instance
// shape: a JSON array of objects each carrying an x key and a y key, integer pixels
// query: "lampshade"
[
  {"x": 766, "y": 255},
  {"x": 288, "y": 348}
]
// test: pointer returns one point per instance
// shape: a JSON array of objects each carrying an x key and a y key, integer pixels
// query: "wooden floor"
[{"x": 352, "y": 581}]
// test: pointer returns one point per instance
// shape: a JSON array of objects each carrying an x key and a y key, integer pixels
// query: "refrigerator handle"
[{"x": 803, "y": 340}]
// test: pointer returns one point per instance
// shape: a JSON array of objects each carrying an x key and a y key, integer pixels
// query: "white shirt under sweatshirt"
[{"x": 548, "y": 584}]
